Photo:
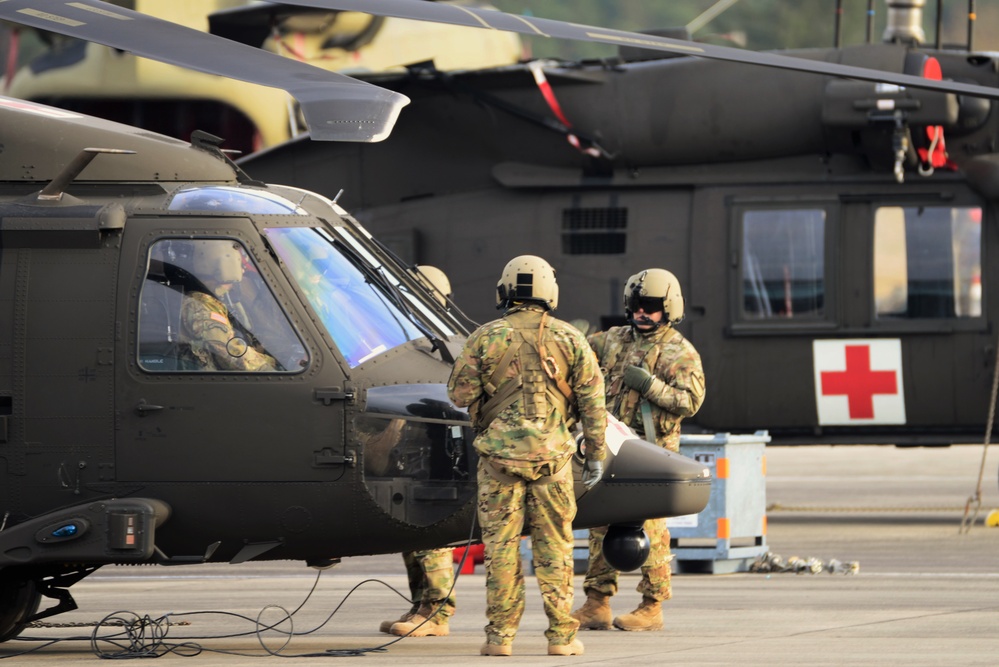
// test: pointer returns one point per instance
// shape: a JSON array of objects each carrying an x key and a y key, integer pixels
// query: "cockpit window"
[
  {"x": 205, "y": 307},
  {"x": 229, "y": 199},
  {"x": 358, "y": 303}
]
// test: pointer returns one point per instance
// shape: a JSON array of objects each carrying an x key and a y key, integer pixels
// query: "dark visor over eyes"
[{"x": 648, "y": 304}]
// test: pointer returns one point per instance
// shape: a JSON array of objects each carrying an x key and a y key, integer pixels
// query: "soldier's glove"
[
  {"x": 638, "y": 378},
  {"x": 592, "y": 472}
]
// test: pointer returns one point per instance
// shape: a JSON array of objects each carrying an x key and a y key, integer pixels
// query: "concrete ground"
[{"x": 924, "y": 593}]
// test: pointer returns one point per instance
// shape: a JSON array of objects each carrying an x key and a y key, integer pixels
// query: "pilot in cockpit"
[{"x": 212, "y": 321}]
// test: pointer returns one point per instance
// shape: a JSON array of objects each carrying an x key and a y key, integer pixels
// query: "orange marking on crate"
[
  {"x": 721, "y": 469},
  {"x": 724, "y": 528}
]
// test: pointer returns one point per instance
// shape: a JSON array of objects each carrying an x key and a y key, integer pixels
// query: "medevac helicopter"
[
  {"x": 828, "y": 232},
  {"x": 831, "y": 232},
  {"x": 199, "y": 367}
]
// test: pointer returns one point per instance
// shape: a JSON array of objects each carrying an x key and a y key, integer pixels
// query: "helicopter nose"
[{"x": 642, "y": 481}]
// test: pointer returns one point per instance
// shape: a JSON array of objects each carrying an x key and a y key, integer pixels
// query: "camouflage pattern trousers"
[
  {"x": 656, "y": 580},
  {"x": 431, "y": 580},
  {"x": 547, "y": 510}
]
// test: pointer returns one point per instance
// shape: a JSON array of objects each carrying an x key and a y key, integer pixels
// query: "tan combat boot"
[
  {"x": 496, "y": 649},
  {"x": 386, "y": 626},
  {"x": 648, "y": 616},
  {"x": 575, "y": 647},
  {"x": 595, "y": 614},
  {"x": 421, "y": 625}
]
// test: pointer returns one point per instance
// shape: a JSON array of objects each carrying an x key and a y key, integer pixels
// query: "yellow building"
[{"x": 105, "y": 82}]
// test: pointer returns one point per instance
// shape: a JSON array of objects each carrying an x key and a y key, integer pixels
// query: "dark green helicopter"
[
  {"x": 829, "y": 212},
  {"x": 198, "y": 367}
]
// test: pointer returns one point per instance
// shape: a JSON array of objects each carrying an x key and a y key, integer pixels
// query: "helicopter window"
[
  {"x": 229, "y": 199},
  {"x": 928, "y": 262},
  {"x": 783, "y": 264},
  {"x": 205, "y": 307},
  {"x": 413, "y": 431},
  {"x": 412, "y": 301},
  {"x": 349, "y": 294}
]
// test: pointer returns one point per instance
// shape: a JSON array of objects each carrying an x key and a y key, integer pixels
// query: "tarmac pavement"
[{"x": 924, "y": 594}]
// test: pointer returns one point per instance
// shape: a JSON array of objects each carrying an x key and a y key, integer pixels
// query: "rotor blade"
[
  {"x": 421, "y": 10},
  {"x": 336, "y": 107}
]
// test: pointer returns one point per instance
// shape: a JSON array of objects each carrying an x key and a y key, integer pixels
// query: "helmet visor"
[{"x": 648, "y": 304}]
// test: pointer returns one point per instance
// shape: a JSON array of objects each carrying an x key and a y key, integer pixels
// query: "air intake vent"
[{"x": 594, "y": 231}]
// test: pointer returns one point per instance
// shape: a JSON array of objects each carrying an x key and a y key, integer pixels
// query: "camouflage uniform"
[
  {"x": 207, "y": 327},
  {"x": 431, "y": 588},
  {"x": 676, "y": 392},
  {"x": 524, "y": 472},
  {"x": 431, "y": 580}
]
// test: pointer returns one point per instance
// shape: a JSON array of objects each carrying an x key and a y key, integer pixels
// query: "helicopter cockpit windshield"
[
  {"x": 226, "y": 198},
  {"x": 361, "y": 302}
]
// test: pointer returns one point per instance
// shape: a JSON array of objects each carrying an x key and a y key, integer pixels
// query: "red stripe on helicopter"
[
  {"x": 546, "y": 91},
  {"x": 936, "y": 154}
]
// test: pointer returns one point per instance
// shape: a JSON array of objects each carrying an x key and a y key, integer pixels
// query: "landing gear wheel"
[{"x": 19, "y": 600}]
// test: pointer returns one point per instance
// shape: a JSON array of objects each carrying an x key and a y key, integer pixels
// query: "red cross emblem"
[{"x": 859, "y": 381}]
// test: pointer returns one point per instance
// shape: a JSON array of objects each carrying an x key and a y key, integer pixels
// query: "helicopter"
[
  {"x": 804, "y": 209},
  {"x": 831, "y": 232},
  {"x": 198, "y": 367}
]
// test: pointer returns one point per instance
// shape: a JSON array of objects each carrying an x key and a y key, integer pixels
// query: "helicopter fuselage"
[
  {"x": 197, "y": 367},
  {"x": 832, "y": 254}
]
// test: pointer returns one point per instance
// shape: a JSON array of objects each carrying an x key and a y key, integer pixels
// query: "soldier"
[
  {"x": 430, "y": 572},
  {"x": 526, "y": 376},
  {"x": 431, "y": 584},
  {"x": 654, "y": 379},
  {"x": 215, "y": 326}
]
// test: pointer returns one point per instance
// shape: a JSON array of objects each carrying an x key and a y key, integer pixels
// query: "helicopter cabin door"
[
  {"x": 862, "y": 315},
  {"x": 219, "y": 382}
]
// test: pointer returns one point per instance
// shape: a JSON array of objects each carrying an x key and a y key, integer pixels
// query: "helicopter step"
[{"x": 120, "y": 530}]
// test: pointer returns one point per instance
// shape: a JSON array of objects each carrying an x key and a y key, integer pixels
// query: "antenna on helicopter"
[
  {"x": 57, "y": 186},
  {"x": 213, "y": 144}
]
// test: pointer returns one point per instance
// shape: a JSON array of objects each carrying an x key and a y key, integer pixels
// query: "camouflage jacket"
[
  {"x": 214, "y": 342},
  {"x": 512, "y": 436},
  {"x": 677, "y": 389}
]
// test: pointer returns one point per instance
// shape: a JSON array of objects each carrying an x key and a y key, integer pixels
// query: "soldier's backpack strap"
[
  {"x": 501, "y": 397},
  {"x": 553, "y": 360},
  {"x": 631, "y": 400},
  {"x": 645, "y": 405},
  {"x": 501, "y": 367},
  {"x": 550, "y": 358}
]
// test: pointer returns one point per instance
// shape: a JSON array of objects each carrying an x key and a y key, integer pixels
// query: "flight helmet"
[
  {"x": 527, "y": 278},
  {"x": 219, "y": 261},
  {"x": 654, "y": 289},
  {"x": 434, "y": 280}
]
